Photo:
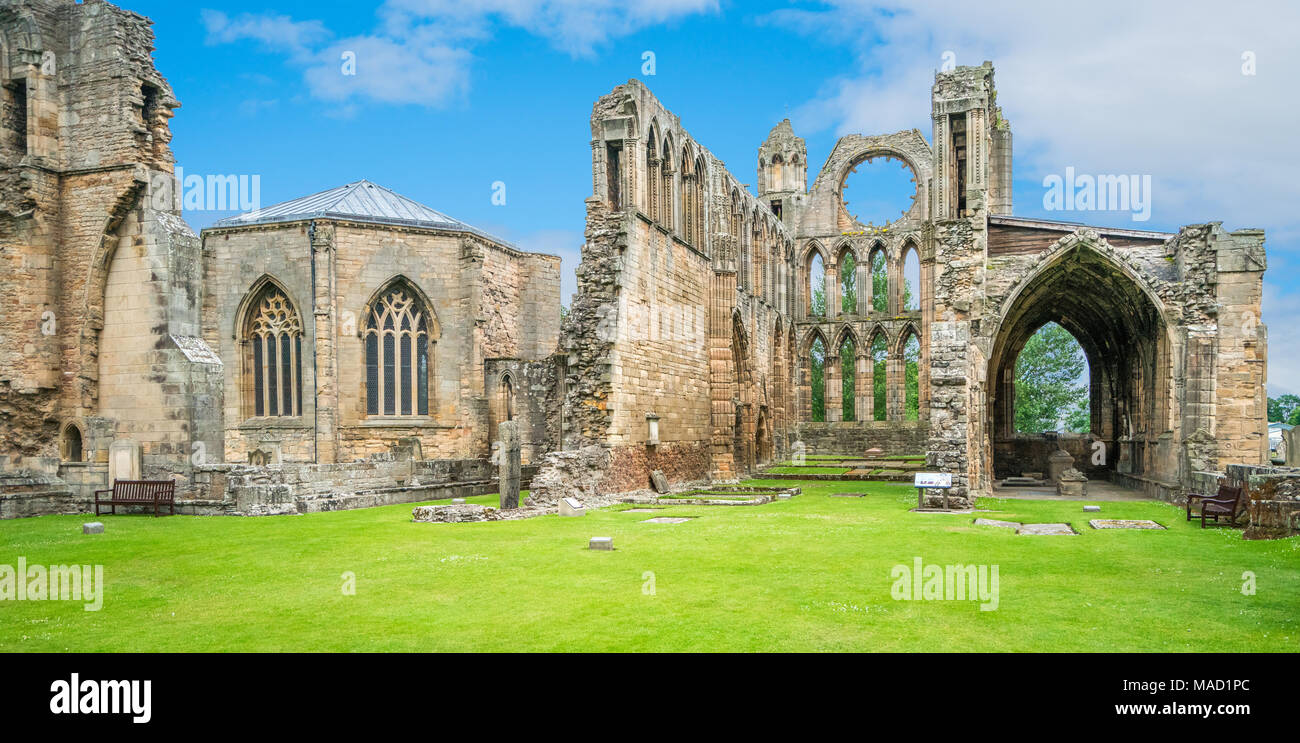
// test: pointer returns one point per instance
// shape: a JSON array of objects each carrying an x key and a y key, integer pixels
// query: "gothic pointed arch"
[
  {"x": 398, "y": 334},
  {"x": 270, "y": 338}
]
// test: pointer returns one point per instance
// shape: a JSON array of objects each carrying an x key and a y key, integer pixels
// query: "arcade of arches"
[{"x": 714, "y": 327}]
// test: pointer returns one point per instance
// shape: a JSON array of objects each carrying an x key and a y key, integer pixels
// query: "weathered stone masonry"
[
  {"x": 1169, "y": 322},
  {"x": 356, "y": 332}
]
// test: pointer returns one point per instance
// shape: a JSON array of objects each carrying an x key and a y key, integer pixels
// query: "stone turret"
[{"x": 782, "y": 169}]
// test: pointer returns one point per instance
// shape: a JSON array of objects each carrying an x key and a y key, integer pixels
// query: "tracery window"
[
  {"x": 273, "y": 356},
  {"x": 397, "y": 354}
]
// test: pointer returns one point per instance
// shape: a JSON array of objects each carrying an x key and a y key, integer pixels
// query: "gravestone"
[
  {"x": 602, "y": 543},
  {"x": 572, "y": 507},
  {"x": 1060, "y": 461},
  {"x": 996, "y": 522},
  {"x": 659, "y": 481},
  {"x": 92, "y": 528},
  {"x": 1124, "y": 524},
  {"x": 1092, "y": 509},
  {"x": 1291, "y": 445},
  {"x": 125, "y": 461},
  {"x": 1046, "y": 529},
  {"x": 509, "y": 470}
]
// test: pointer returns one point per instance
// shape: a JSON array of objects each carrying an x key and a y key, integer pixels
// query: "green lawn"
[{"x": 810, "y": 573}]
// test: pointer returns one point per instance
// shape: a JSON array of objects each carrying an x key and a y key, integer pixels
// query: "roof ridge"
[{"x": 363, "y": 201}]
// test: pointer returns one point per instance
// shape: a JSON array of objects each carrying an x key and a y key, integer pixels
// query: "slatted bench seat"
[
  {"x": 1226, "y": 503},
  {"x": 157, "y": 493}
]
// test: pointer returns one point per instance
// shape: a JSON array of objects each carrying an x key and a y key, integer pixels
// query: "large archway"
[{"x": 1118, "y": 321}]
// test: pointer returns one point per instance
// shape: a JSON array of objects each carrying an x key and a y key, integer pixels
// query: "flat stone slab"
[
  {"x": 92, "y": 528},
  {"x": 958, "y": 511},
  {"x": 602, "y": 543},
  {"x": 660, "y": 482},
  {"x": 995, "y": 522},
  {"x": 1091, "y": 509},
  {"x": 848, "y": 495},
  {"x": 1045, "y": 529},
  {"x": 665, "y": 520},
  {"x": 1124, "y": 524}
]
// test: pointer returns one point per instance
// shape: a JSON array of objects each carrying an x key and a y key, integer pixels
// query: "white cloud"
[
  {"x": 1108, "y": 86},
  {"x": 573, "y": 26},
  {"x": 421, "y": 52},
  {"x": 276, "y": 32}
]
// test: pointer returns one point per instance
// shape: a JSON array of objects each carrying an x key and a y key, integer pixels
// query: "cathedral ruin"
[{"x": 354, "y": 347}]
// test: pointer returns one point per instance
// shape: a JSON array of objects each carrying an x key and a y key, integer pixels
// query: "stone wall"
[
  {"x": 487, "y": 300},
  {"x": 895, "y": 438},
  {"x": 308, "y": 488},
  {"x": 97, "y": 272}
]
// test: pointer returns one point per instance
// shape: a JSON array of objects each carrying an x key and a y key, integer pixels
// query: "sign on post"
[{"x": 932, "y": 481}]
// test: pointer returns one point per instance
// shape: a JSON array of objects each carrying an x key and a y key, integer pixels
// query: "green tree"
[
  {"x": 818, "y": 308},
  {"x": 1079, "y": 418},
  {"x": 1048, "y": 380},
  {"x": 1281, "y": 408},
  {"x": 849, "y": 285},
  {"x": 848, "y": 375},
  {"x": 1294, "y": 418},
  {"x": 816, "y": 380}
]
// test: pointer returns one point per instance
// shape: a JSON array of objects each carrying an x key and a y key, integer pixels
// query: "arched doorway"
[{"x": 1118, "y": 321}]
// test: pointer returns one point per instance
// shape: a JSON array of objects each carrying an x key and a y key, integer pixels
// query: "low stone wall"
[
  {"x": 310, "y": 488},
  {"x": 895, "y": 438},
  {"x": 1029, "y": 453},
  {"x": 1274, "y": 508},
  {"x": 1152, "y": 488}
]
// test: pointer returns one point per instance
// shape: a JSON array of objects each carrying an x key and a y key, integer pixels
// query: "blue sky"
[{"x": 451, "y": 97}]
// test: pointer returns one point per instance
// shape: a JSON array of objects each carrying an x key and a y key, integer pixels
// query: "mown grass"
[{"x": 811, "y": 573}]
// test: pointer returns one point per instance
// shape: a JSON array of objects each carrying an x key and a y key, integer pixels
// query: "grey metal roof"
[{"x": 360, "y": 201}]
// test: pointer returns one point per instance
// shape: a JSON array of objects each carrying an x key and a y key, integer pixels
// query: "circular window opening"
[{"x": 877, "y": 191}]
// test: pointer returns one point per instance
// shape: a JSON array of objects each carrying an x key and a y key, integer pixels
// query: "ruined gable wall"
[
  {"x": 88, "y": 159},
  {"x": 651, "y": 326}
]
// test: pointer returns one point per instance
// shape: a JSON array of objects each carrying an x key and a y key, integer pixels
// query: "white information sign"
[{"x": 933, "y": 480}]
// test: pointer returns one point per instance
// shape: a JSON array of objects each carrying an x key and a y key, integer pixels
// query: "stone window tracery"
[
  {"x": 273, "y": 356},
  {"x": 397, "y": 355}
]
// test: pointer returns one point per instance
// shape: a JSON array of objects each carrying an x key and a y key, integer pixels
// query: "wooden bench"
[
  {"x": 156, "y": 493},
  {"x": 1226, "y": 503}
]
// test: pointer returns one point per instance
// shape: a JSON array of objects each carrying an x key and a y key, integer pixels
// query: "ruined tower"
[
  {"x": 782, "y": 169},
  {"x": 98, "y": 273}
]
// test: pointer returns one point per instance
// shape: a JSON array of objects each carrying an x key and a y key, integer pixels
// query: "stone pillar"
[
  {"x": 832, "y": 292},
  {"x": 895, "y": 387},
  {"x": 509, "y": 464},
  {"x": 326, "y": 341},
  {"x": 862, "y": 386},
  {"x": 833, "y": 384}
]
